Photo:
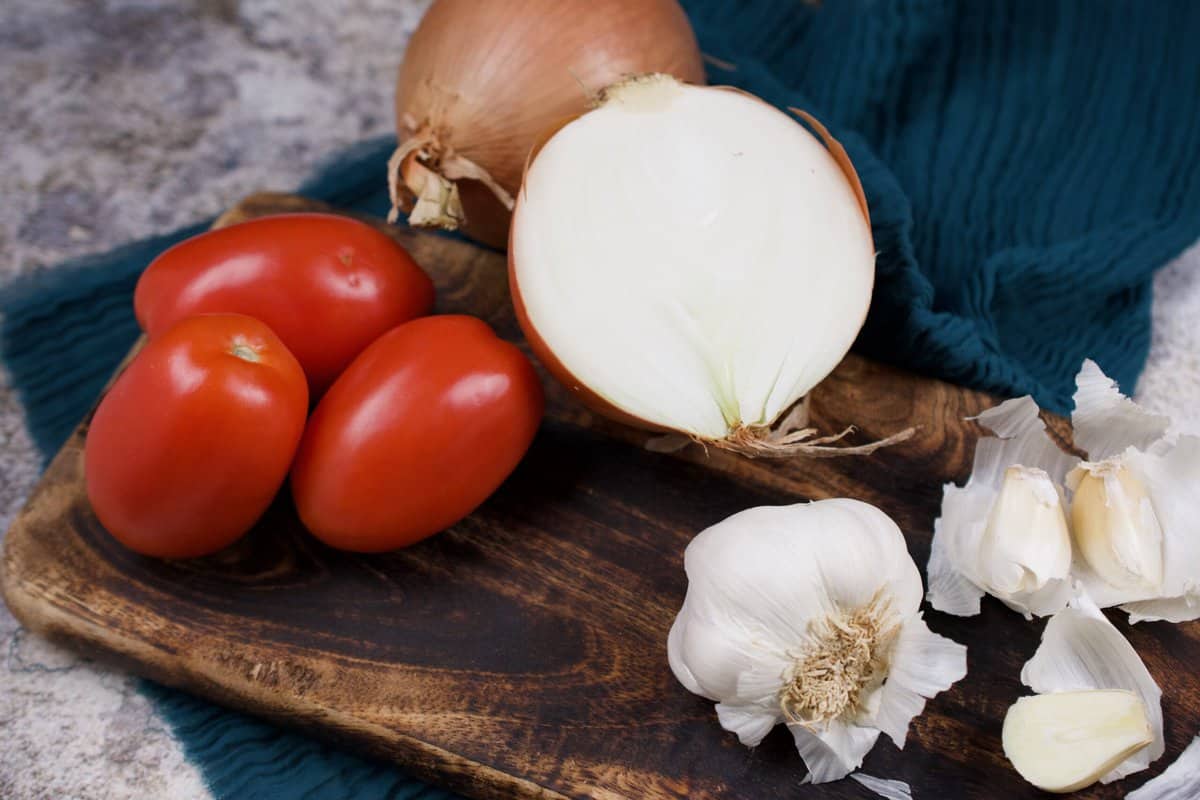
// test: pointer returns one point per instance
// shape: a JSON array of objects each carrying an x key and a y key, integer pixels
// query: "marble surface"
[{"x": 124, "y": 118}]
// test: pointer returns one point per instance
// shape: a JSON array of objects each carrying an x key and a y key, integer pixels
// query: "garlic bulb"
[
  {"x": 1135, "y": 512},
  {"x": 809, "y": 615},
  {"x": 1081, "y": 651},
  {"x": 1005, "y": 533}
]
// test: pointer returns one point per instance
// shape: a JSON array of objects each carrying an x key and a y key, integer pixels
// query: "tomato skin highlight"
[
  {"x": 194, "y": 439},
  {"x": 425, "y": 424},
  {"x": 326, "y": 284}
]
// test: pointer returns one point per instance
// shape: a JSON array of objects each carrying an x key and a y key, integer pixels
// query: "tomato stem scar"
[{"x": 245, "y": 352}]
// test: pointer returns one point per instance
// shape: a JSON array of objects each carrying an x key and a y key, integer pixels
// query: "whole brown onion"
[{"x": 482, "y": 79}]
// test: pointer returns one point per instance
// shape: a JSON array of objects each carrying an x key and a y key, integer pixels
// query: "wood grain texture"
[{"x": 523, "y": 652}]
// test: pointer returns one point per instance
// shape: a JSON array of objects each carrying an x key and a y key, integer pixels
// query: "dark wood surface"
[{"x": 523, "y": 652}]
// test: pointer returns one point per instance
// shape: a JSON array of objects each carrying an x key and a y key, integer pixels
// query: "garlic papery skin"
[
  {"x": 886, "y": 788},
  {"x": 1065, "y": 741},
  {"x": 1005, "y": 533},
  {"x": 1082, "y": 651},
  {"x": 1179, "y": 781},
  {"x": 1116, "y": 529},
  {"x": 809, "y": 615},
  {"x": 1106, "y": 422},
  {"x": 1135, "y": 508}
]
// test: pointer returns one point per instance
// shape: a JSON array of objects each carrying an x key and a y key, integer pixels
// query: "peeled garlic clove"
[
  {"x": 1116, "y": 529},
  {"x": 1026, "y": 542},
  {"x": 1068, "y": 740},
  {"x": 734, "y": 245},
  {"x": 1081, "y": 650}
]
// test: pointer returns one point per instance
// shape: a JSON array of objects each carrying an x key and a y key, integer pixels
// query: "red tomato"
[
  {"x": 327, "y": 285},
  {"x": 415, "y": 434},
  {"x": 193, "y": 440}
]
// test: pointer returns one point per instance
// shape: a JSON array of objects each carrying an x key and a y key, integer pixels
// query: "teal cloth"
[{"x": 1028, "y": 164}]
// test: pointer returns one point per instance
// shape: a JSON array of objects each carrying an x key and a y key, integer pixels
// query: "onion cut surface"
[{"x": 691, "y": 259}]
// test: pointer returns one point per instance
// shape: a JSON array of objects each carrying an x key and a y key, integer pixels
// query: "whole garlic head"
[{"x": 809, "y": 615}]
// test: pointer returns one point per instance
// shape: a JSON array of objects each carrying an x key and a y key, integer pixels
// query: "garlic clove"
[
  {"x": 1065, "y": 741},
  {"x": 1134, "y": 510},
  {"x": 1082, "y": 650},
  {"x": 675, "y": 659},
  {"x": 1171, "y": 477},
  {"x": 1026, "y": 542},
  {"x": 1003, "y": 533},
  {"x": 1116, "y": 528}
]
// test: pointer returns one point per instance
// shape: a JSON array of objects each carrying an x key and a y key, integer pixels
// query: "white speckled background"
[{"x": 124, "y": 118}]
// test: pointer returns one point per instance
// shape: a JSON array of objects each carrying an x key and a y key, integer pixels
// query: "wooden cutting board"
[{"x": 523, "y": 652}]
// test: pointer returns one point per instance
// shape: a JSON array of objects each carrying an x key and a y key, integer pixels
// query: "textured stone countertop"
[{"x": 124, "y": 118}]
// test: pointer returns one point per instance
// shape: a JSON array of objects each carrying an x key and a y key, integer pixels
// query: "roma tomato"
[
  {"x": 194, "y": 439},
  {"x": 415, "y": 434},
  {"x": 327, "y": 285}
]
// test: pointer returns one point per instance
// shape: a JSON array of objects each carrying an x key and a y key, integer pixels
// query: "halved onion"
[{"x": 692, "y": 260}]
